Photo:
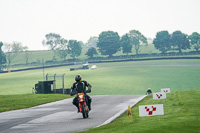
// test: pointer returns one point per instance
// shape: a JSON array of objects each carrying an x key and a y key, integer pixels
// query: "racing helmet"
[{"x": 78, "y": 78}]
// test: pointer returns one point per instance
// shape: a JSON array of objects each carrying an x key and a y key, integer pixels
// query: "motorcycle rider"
[{"x": 78, "y": 87}]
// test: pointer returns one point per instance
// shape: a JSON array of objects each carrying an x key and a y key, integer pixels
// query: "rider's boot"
[
  {"x": 77, "y": 108},
  {"x": 89, "y": 107}
]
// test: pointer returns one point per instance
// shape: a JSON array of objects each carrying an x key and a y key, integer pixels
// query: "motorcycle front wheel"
[{"x": 84, "y": 112}]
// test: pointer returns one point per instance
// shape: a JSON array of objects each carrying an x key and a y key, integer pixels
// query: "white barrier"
[
  {"x": 151, "y": 110},
  {"x": 159, "y": 95}
]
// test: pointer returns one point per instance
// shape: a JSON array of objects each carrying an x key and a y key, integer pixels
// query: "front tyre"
[{"x": 84, "y": 112}]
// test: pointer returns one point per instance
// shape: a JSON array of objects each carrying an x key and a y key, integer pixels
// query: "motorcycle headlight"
[{"x": 81, "y": 96}]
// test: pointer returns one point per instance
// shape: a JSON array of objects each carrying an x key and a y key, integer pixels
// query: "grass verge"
[
  {"x": 13, "y": 102},
  {"x": 181, "y": 111}
]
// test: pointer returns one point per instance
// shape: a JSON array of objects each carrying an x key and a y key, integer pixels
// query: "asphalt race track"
[{"x": 62, "y": 116}]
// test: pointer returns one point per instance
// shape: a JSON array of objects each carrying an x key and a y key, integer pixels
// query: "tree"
[
  {"x": 2, "y": 57},
  {"x": 52, "y": 40},
  {"x": 109, "y": 43},
  {"x": 63, "y": 49},
  {"x": 137, "y": 39},
  {"x": 82, "y": 44},
  {"x": 126, "y": 44},
  {"x": 12, "y": 50},
  {"x": 74, "y": 48},
  {"x": 91, "y": 52},
  {"x": 180, "y": 41},
  {"x": 162, "y": 41},
  {"x": 92, "y": 42},
  {"x": 195, "y": 40}
]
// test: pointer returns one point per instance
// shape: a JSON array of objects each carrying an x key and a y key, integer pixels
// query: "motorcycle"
[{"x": 83, "y": 105}]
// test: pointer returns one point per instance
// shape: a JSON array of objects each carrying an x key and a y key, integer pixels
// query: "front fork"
[{"x": 85, "y": 105}]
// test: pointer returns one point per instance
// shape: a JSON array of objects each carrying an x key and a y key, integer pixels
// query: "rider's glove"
[
  {"x": 88, "y": 91},
  {"x": 72, "y": 92}
]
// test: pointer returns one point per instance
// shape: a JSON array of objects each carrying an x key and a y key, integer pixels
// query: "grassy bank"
[
  {"x": 181, "y": 116},
  {"x": 13, "y": 102}
]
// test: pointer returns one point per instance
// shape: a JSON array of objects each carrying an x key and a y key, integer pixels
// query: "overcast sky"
[{"x": 28, "y": 21}]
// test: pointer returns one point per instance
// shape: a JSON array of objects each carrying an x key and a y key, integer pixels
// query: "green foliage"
[
  {"x": 126, "y": 44},
  {"x": 52, "y": 40},
  {"x": 109, "y": 43},
  {"x": 162, "y": 41},
  {"x": 92, "y": 42},
  {"x": 137, "y": 39},
  {"x": 180, "y": 41},
  {"x": 2, "y": 56},
  {"x": 195, "y": 40},
  {"x": 181, "y": 115},
  {"x": 74, "y": 48},
  {"x": 91, "y": 52}
]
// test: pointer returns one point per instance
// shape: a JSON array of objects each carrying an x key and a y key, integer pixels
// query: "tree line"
[
  {"x": 176, "y": 41},
  {"x": 107, "y": 43}
]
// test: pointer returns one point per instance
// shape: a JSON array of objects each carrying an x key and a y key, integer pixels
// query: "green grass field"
[
  {"x": 114, "y": 78},
  {"x": 181, "y": 115}
]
